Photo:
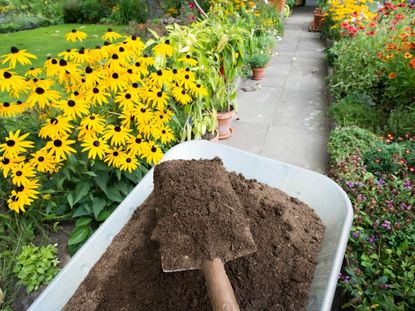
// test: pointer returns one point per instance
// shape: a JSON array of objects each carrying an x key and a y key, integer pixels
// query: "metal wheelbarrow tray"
[{"x": 322, "y": 194}]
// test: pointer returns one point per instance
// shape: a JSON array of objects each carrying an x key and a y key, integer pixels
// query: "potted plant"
[{"x": 258, "y": 62}]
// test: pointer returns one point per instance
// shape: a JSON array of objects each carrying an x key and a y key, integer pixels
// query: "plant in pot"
[{"x": 258, "y": 62}]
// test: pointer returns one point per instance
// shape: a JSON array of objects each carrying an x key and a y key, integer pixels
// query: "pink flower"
[{"x": 191, "y": 5}]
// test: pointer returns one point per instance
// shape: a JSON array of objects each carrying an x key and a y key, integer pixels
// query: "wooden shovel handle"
[{"x": 219, "y": 288}]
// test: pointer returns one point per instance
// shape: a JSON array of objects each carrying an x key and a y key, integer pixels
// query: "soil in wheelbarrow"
[{"x": 288, "y": 235}]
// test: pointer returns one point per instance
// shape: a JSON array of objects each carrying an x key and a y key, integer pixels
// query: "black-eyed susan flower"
[
  {"x": 161, "y": 77},
  {"x": 126, "y": 100},
  {"x": 34, "y": 72},
  {"x": 117, "y": 82},
  {"x": 94, "y": 121},
  {"x": 198, "y": 90},
  {"x": 163, "y": 49},
  {"x": 6, "y": 164},
  {"x": 17, "y": 55},
  {"x": 157, "y": 98},
  {"x": 139, "y": 69},
  {"x": 128, "y": 162},
  {"x": 142, "y": 114},
  {"x": 111, "y": 35},
  {"x": 188, "y": 60},
  {"x": 15, "y": 144},
  {"x": 164, "y": 134},
  {"x": 116, "y": 63},
  {"x": 60, "y": 147},
  {"x": 92, "y": 77},
  {"x": 12, "y": 83},
  {"x": 146, "y": 60},
  {"x": 81, "y": 56},
  {"x": 85, "y": 132},
  {"x": 8, "y": 110},
  {"x": 43, "y": 97},
  {"x": 43, "y": 161},
  {"x": 28, "y": 192},
  {"x": 146, "y": 129},
  {"x": 96, "y": 147},
  {"x": 181, "y": 95},
  {"x": 152, "y": 153},
  {"x": 97, "y": 96},
  {"x": 135, "y": 44},
  {"x": 21, "y": 173},
  {"x": 74, "y": 108},
  {"x": 117, "y": 134},
  {"x": 113, "y": 156},
  {"x": 75, "y": 35},
  {"x": 136, "y": 145},
  {"x": 162, "y": 116},
  {"x": 54, "y": 127},
  {"x": 16, "y": 203}
]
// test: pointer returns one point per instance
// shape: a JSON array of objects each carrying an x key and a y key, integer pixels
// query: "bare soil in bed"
[{"x": 288, "y": 235}]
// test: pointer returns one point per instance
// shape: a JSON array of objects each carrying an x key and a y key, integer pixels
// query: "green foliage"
[
  {"x": 129, "y": 11},
  {"x": 358, "y": 110},
  {"x": 87, "y": 11},
  {"x": 36, "y": 266},
  {"x": 346, "y": 141},
  {"x": 21, "y": 21},
  {"x": 260, "y": 59},
  {"x": 402, "y": 121}
]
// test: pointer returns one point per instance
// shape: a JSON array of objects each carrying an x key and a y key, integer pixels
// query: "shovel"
[{"x": 201, "y": 224}]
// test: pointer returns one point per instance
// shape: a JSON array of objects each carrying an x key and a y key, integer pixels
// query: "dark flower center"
[
  {"x": 95, "y": 90},
  {"x": 96, "y": 143},
  {"x": 161, "y": 116},
  {"x": 35, "y": 80},
  {"x": 14, "y": 50},
  {"x": 167, "y": 41},
  {"x": 76, "y": 93},
  {"x": 186, "y": 77},
  {"x": 159, "y": 94},
  {"x": 20, "y": 188},
  {"x": 137, "y": 64},
  {"x": 54, "y": 121},
  {"x": 57, "y": 143},
  {"x": 117, "y": 128},
  {"x": 187, "y": 56},
  {"x": 10, "y": 143},
  {"x": 19, "y": 102},
  {"x": 115, "y": 153},
  {"x": 114, "y": 56},
  {"x": 73, "y": 30},
  {"x": 187, "y": 69},
  {"x": 135, "y": 85},
  {"x": 63, "y": 63},
  {"x": 106, "y": 43},
  {"x": 159, "y": 73},
  {"x": 6, "y": 104},
  {"x": 130, "y": 71},
  {"x": 143, "y": 110},
  {"x": 71, "y": 103},
  {"x": 41, "y": 159},
  {"x": 115, "y": 75},
  {"x": 174, "y": 70},
  {"x": 88, "y": 69},
  {"x": 92, "y": 117},
  {"x": 109, "y": 30},
  {"x": 128, "y": 160},
  {"x": 128, "y": 96},
  {"x": 19, "y": 173},
  {"x": 121, "y": 49},
  {"x": 184, "y": 92},
  {"x": 163, "y": 131},
  {"x": 134, "y": 38},
  {"x": 81, "y": 51},
  {"x": 54, "y": 61},
  {"x": 5, "y": 161},
  {"x": 15, "y": 198},
  {"x": 153, "y": 149},
  {"x": 39, "y": 91},
  {"x": 7, "y": 75},
  {"x": 198, "y": 85}
]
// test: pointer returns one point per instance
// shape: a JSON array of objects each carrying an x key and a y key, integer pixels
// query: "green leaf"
[
  {"x": 81, "y": 190},
  {"x": 104, "y": 215},
  {"x": 83, "y": 210},
  {"x": 70, "y": 199},
  {"x": 98, "y": 205},
  {"x": 89, "y": 173},
  {"x": 79, "y": 235},
  {"x": 123, "y": 187},
  {"x": 83, "y": 221},
  {"x": 101, "y": 180},
  {"x": 114, "y": 195}
]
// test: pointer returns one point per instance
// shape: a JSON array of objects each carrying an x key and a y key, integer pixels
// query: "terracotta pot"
[
  {"x": 258, "y": 73},
  {"x": 224, "y": 124},
  {"x": 212, "y": 137},
  {"x": 318, "y": 19}
]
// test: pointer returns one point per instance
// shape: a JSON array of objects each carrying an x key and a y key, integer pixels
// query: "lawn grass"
[{"x": 50, "y": 41}]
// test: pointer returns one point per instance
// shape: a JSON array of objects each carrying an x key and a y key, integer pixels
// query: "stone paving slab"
[{"x": 287, "y": 118}]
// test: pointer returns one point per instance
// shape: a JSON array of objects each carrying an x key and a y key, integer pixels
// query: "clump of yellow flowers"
[
  {"x": 114, "y": 103},
  {"x": 351, "y": 11}
]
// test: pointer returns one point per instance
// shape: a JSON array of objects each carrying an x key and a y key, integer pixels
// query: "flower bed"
[
  {"x": 373, "y": 81},
  {"x": 80, "y": 131}
]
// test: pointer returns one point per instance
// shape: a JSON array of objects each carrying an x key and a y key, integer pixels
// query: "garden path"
[{"x": 287, "y": 118}]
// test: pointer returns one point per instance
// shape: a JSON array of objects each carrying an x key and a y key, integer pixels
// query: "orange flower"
[
  {"x": 392, "y": 75},
  {"x": 407, "y": 55},
  {"x": 412, "y": 63}
]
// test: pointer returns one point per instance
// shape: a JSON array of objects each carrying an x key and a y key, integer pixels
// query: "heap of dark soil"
[
  {"x": 199, "y": 215},
  {"x": 288, "y": 235}
]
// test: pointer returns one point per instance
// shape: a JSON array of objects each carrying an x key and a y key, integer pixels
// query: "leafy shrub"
[
  {"x": 346, "y": 141},
  {"x": 88, "y": 11},
  {"x": 359, "y": 110},
  {"x": 379, "y": 270},
  {"x": 36, "y": 265},
  {"x": 402, "y": 121},
  {"x": 22, "y": 21},
  {"x": 129, "y": 10},
  {"x": 72, "y": 10}
]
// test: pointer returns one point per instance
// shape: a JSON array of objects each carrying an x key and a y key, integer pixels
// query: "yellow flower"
[
  {"x": 136, "y": 145},
  {"x": 94, "y": 122},
  {"x": 152, "y": 153},
  {"x": 60, "y": 147},
  {"x": 59, "y": 126},
  {"x": 21, "y": 173},
  {"x": 17, "y": 55},
  {"x": 74, "y": 108},
  {"x": 188, "y": 60},
  {"x": 114, "y": 157},
  {"x": 11, "y": 82},
  {"x": 43, "y": 161},
  {"x": 8, "y": 110},
  {"x": 34, "y": 72},
  {"x": 164, "y": 134},
  {"x": 118, "y": 135},
  {"x": 43, "y": 97},
  {"x": 157, "y": 98},
  {"x": 181, "y": 95},
  {"x": 111, "y": 35},
  {"x": 75, "y": 35},
  {"x": 96, "y": 148},
  {"x": 128, "y": 163},
  {"x": 6, "y": 164},
  {"x": 15, "y": 144},
  {"x": 163, "y": 49}
]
